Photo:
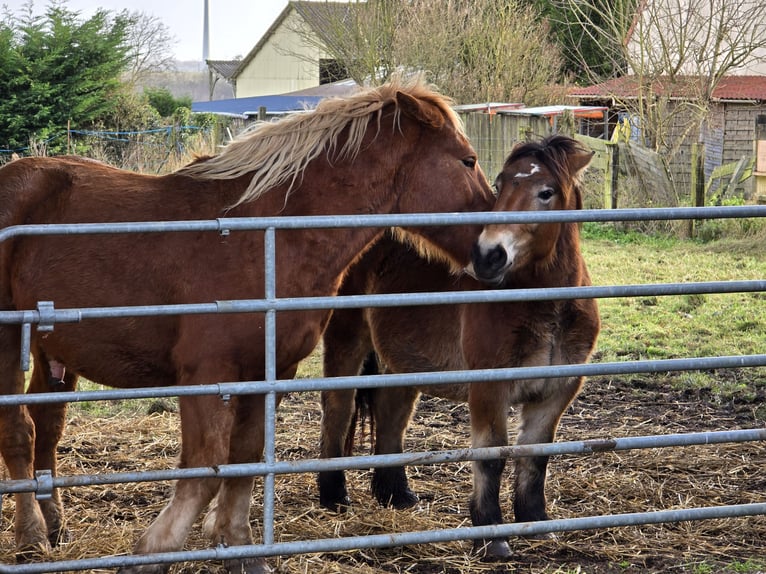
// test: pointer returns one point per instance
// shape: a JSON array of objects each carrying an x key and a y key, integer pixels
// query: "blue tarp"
[{"x": 244, "y": 107}]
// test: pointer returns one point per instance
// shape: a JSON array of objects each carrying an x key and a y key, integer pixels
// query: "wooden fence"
[{"x": 622, "y": 174}]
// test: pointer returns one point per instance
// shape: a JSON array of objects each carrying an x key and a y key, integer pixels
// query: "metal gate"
[{"x": 47, "y": 316}]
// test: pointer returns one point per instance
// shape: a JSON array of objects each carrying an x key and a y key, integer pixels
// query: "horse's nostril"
[{"x": 496, "y": 258}]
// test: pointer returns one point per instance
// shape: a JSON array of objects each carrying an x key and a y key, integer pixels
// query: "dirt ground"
[{"x": 107, "y": 520}]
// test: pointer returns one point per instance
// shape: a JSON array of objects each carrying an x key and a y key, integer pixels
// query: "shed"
[{"x": 738, "y": 105}]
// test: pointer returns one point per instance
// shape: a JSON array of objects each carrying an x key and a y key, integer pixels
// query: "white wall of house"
[
  {"x": 283, "y": 64},
  {"x": 667, "y": 33}
]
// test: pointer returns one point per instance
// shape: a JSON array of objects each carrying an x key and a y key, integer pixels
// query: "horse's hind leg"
[
  {"x": 49, "y": 420},
  {"x": 538, "y": 424},
  {"x": 17, "y": 438},
  {"x": 337, "y": 425},
  {"x": 391, "y": 410},
  {"x": 347, "y": 347}
]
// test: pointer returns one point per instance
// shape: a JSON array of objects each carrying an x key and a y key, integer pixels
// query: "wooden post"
[
  {"x": 697, "y": 180},
  {"x": 615, "y": 173}
]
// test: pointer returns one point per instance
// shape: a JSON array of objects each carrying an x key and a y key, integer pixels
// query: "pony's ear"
[
  {"x": 579, "y": 161},
  {"x": 422, "y": 111}
]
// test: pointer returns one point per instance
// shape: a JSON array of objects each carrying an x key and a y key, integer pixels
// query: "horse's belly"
[{"x": 457, "y": 392}]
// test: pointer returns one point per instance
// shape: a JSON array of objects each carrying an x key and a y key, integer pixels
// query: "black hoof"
[
  {"x": 340, "y": 506},
  {"x": 390, "y": 488},
  {"x": 247, "y": 566},
  {"x": 59, "y": 536},
  {"x": 401, "y": 500},
  {"x": 332, "y": 491},
  {"x": 493, "y": 550},
  {"x": 31, "y": 553}
]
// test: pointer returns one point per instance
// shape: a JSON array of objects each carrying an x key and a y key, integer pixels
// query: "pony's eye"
[
  {"x": 469, "y": 162},
  {"x": 545, "y": 194}
]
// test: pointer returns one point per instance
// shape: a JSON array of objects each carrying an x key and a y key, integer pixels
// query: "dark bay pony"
[
  {"x": 537, "y": 176},
  {"x": 393, "y": 149}
]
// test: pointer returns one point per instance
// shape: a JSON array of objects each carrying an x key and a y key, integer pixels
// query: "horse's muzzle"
[{"x": 489, "y": 266}]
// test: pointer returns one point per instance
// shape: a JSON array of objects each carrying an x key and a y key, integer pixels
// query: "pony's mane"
[
  {"x": 553, "y": 152},
  {"x": 278, "y": 152}
]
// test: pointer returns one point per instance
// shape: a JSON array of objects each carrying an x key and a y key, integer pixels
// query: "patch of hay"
[{"x": 107, "y": 520}]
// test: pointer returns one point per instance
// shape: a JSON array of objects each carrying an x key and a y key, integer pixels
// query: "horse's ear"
[
  {"x": 420, "y": 110},
  {"x": 579, "y": 161}
]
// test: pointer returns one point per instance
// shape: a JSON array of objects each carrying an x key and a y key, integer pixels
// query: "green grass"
[{"x": 665, "y": 327}]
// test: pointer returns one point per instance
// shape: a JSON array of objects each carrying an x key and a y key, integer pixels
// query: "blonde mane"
[{"x": 277, "y": 152}]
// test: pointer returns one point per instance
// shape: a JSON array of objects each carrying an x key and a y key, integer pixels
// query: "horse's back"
[{"x": 412, "y": 338}]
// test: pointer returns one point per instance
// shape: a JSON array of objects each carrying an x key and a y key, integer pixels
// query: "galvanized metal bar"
[
  {"x": 420, "y": 379},
  {"x": 385, "y": 220},
  {"x": 398, "y": 539},
  {"x": 585, "y": 447},
  {"x": 26, "y": 343},
  {"x": 76, "y": 315},
  {"x": 270, "y": 407}
]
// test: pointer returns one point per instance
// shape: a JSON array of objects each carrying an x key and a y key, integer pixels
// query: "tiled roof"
[{"x": 729, "y": 88}]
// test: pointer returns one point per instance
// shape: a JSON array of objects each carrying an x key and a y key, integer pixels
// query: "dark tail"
[{"x": 364, "y": 402}]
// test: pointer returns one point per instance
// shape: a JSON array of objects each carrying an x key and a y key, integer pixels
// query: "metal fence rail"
[{"x": 46, "y": 316}]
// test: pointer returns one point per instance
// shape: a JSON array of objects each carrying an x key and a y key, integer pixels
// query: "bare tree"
[
  {"x": 675, "y": 53},
  {"x": 150, "y": 46},
  {"x": 479, "y": 50}
]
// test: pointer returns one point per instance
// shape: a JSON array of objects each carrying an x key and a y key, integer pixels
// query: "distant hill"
[{"x": 190, "y": 79}]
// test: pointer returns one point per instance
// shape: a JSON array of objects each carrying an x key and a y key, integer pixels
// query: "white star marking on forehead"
[{"x": 534, "y": 170}]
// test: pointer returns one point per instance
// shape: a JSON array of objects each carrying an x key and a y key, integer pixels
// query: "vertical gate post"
[{"x": 270, "y": 399}]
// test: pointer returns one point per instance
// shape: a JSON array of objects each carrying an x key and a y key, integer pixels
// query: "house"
[
  {"x": 676, "y": 35},
  {"x": 289, "y": 57}
]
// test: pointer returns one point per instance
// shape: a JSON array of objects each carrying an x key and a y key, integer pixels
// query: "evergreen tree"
[{"x": 57, "y": 68}]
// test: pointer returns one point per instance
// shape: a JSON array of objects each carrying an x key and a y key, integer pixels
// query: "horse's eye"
[
  {"x": 545, "y": 194},
  {"x": 469, "y": 162}
]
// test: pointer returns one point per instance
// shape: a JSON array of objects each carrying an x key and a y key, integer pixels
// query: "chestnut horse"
[
  {"x": 398, "y": 148},
  {"x": 537, "y": 176}
]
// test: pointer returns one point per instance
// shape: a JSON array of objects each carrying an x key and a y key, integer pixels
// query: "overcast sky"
[{"x": 235, "y": 25}]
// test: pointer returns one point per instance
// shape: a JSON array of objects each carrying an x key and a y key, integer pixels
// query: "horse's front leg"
[
  {"x": 17, "y": 438},
  {"x": 229, "y": 523},
  {"x": 49, "y": 420},
  {"x": 205, "y": 429},
  {"x": 538, "y": 423},
  {"x": 488, "y": 404}
]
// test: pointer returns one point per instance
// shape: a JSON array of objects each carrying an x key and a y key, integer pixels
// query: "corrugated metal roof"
[
  {"x": 224, "y": 68},
  {"x": 276, "y": 104},
  {"x": 247, "y": 107},
  {"x": 548, "y": 111}
]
